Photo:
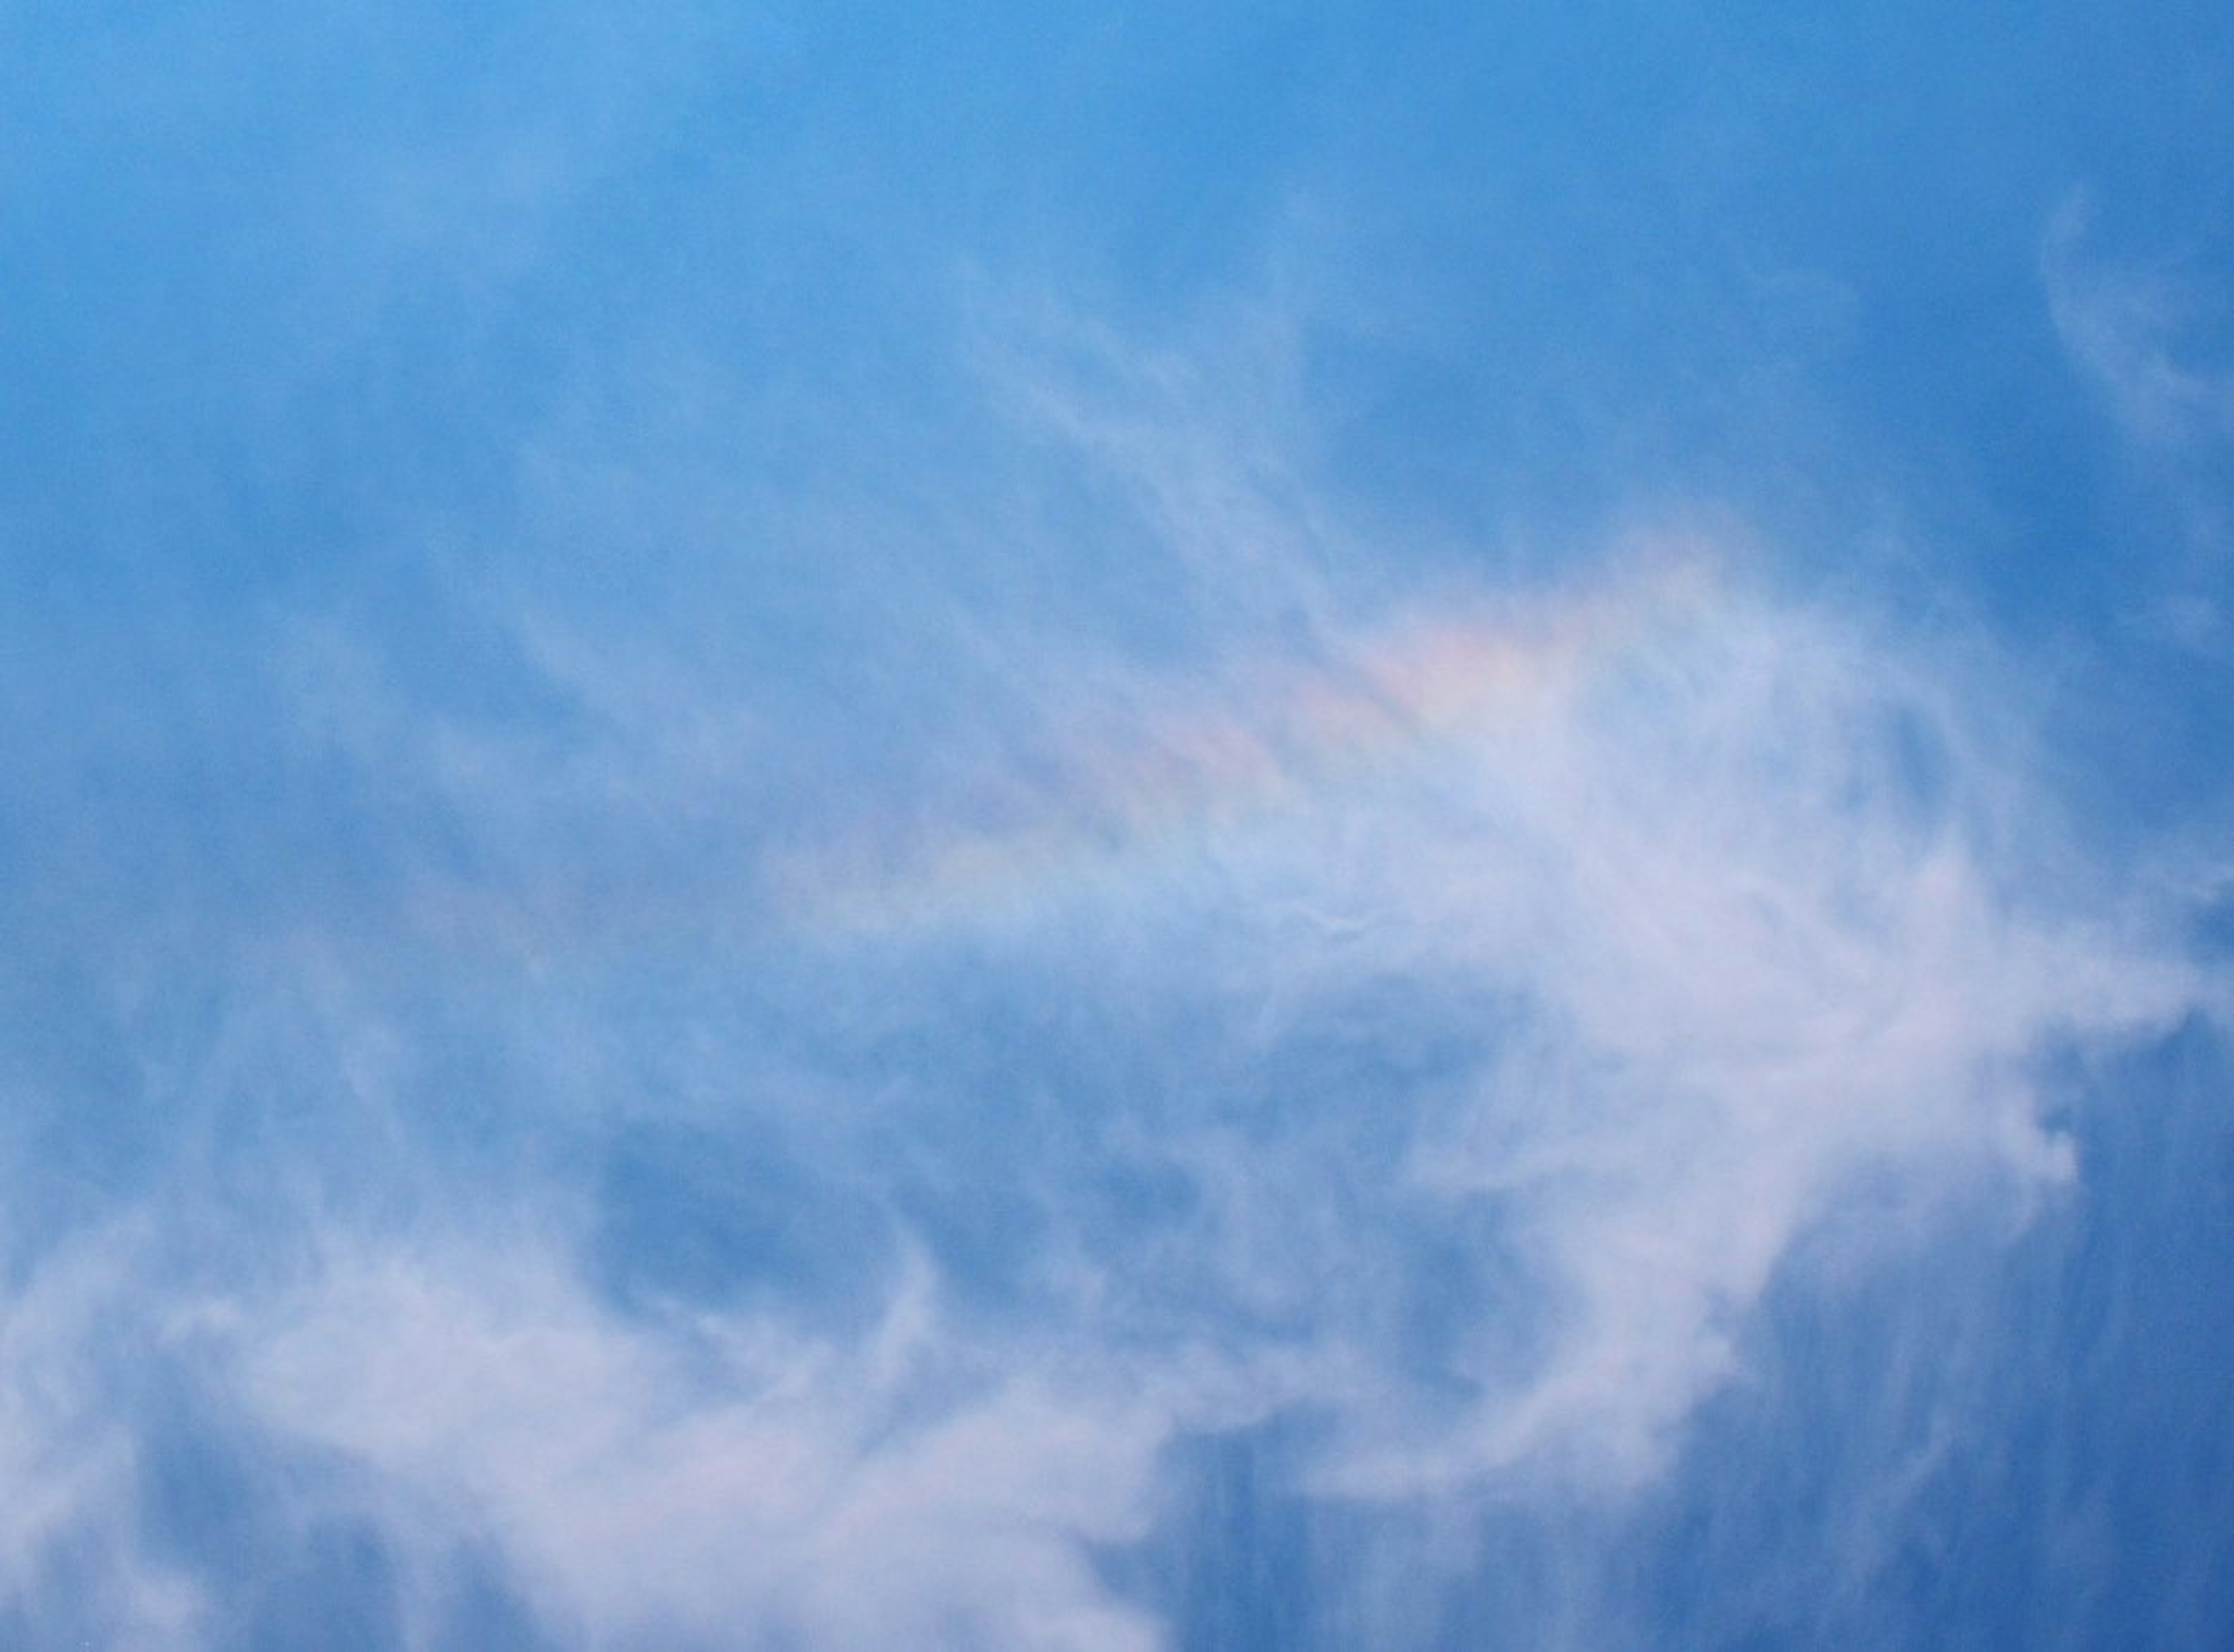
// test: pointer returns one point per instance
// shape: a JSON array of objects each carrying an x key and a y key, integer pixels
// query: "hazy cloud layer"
[
  {"x": 1439, "y": 1030},
  {"x": 1154, "y": 831}
]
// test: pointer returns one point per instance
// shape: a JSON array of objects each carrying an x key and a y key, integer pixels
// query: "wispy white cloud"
[
  {"x": 1436, "y": 1006},
  {"x": 2130, "y": 328},
  {"x": 1725, "y": 898},
  {"x": 2141, "y": 333},
  {"x": 735, "y": 1485},
  {"x": 74, "y": 1559},
  {"x": 1441, "y": 1017}
]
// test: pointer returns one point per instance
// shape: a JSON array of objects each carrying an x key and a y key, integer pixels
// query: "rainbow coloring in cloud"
[
  {"x": 1116, "y": 827},
  {"x": 1180, "y": 769}
]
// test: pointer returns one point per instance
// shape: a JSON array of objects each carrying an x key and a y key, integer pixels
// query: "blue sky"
[{"x": 1112, "y": 828}]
